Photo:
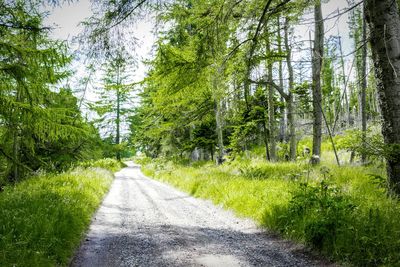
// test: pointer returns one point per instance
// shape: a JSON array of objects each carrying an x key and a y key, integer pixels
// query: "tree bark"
[
  {"x": 267, "y": 155},
  {"x": 346, "y": 99},
  {"x": 318, "y": 53},
  {"x": 118, "y": 119},
  {"x": 384, "y": 27},
  {"x": 282, "y": 120},
  {"x": 289, "y": 100},
  {"x": 271, "y": 105},
  {"x": 16, "y": 140},
  {"x": 364, "y": 90}
]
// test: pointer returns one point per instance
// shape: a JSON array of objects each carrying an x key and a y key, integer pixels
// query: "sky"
[{"x": 66, "y": 19}]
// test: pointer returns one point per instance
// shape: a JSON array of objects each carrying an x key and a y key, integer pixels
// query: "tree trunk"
[
  {"x": 267, "y": 155},
  {"x": 16, "y": 141},
  {"x": 384, "y": 26},
  {"x": 217, "y": 110},
  {"x": 289, "y": 100},
  {"x": 117, "y": 122},
  {"x": 318, "y": 53},
  {"x": 282, "y": 120},
  {"x": 346, "y": 99},
  {"x": 271, "y": 105},
  {"x": 364, "y": 90},
  {"x": 15, "y": 176}
]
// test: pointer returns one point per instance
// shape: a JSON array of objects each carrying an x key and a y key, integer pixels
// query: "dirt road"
[{"x": 143, "y": 222}]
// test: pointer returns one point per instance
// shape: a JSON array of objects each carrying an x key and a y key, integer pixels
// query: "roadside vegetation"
[
  {"x": 343, "y": 212},
  {"x": 43, "y": 218}
]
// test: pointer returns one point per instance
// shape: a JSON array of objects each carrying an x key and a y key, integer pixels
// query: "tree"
[
  {"x": 317, "y": 56},
  {"x": 383, "y": 20},
  {"x": 363, "y": 77},
  {"x": 271, "y": 104},
  {"x": 32, "y": 112},
  {"x": 113, "y": 106}
]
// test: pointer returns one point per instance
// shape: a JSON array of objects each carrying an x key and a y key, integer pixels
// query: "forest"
[{"x": 278, "y": 110}]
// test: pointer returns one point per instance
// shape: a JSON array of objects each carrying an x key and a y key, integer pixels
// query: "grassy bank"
[
  {"x": 342, "y": 212},
  {"x": 43, "y": 218}
]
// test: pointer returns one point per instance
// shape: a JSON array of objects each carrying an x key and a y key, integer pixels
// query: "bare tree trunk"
[
  {"x": 282, "y": 120},
  {"x": 384, "y": 27},
  {"x": 118, "y": 120},
  {"x": 346, "y": 100},
  {"x": 271, "y": 106},
  {"x": 289, "y": 100},
  {"x": 318, "y": 53},
  {"x": 217, "y": 110},
  {"x": 364, "y": 89}
]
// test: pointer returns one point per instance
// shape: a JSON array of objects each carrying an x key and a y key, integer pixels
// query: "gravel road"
[{"x": 143, "y": 222}]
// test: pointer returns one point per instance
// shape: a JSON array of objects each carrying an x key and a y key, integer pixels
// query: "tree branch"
[{"x": 277, "y": 87}]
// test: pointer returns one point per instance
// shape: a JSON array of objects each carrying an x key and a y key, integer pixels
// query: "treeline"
[
  {"x": 42, "y": 127},
  {"x": 224, "y": 77},
  {"x": 229, "y": 75}
]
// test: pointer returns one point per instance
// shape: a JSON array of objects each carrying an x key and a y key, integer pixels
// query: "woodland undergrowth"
[{"x": 343, "y": 212}]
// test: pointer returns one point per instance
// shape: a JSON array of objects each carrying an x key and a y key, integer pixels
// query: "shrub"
[{"x": 316, "y": 214}]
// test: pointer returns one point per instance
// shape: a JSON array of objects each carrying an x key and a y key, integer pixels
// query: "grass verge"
[
  {"x": 43, "y": 218},
  {"x": 342, "y": 212}
]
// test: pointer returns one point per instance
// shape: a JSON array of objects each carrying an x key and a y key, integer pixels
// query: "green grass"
[
  {"x": 343, "y": 212},
  {"x": 107, "y": 163},
  {"x": 43, "y": 219}
]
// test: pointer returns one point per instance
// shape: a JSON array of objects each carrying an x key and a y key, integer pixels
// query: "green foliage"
[
  {"x": 327, "y": 208},
  {"x": 374, "y": 148},
  {"x": 316, "y": 213},
  {"x": 44, "y": 218},
  {"x": 114, "y": 105},
  {"x": 42, "y": 127},
  {"x": 108, "y": 164},
  {"x": 255, "y": 170},
  {"x": 302, "y": 91}
]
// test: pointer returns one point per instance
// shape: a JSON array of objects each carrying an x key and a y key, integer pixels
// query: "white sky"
[{"x": 66, "y": 19}]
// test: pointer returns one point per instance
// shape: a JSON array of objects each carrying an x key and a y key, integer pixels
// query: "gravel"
[{"x": 143, "y": 222}]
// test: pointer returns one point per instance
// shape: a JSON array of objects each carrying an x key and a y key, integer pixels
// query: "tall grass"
[
  {"x": 107, "y": 163},
  {"x": 344, "y": 212},
  {"x": 43, "y": 218}
]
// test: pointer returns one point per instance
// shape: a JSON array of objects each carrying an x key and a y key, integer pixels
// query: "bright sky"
[{"x": 66, "y": 22}]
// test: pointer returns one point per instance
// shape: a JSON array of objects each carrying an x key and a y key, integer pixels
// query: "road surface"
[{"x": 143, "y": 222}]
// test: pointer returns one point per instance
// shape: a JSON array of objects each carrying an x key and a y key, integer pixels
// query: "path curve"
[{"x": 143, "y": 222}]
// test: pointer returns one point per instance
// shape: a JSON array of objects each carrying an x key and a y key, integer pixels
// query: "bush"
[
  {"x": 316, "y": 213},
  {"x": 352, "y": 140},
  {"x": 339, "y": 226}
]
